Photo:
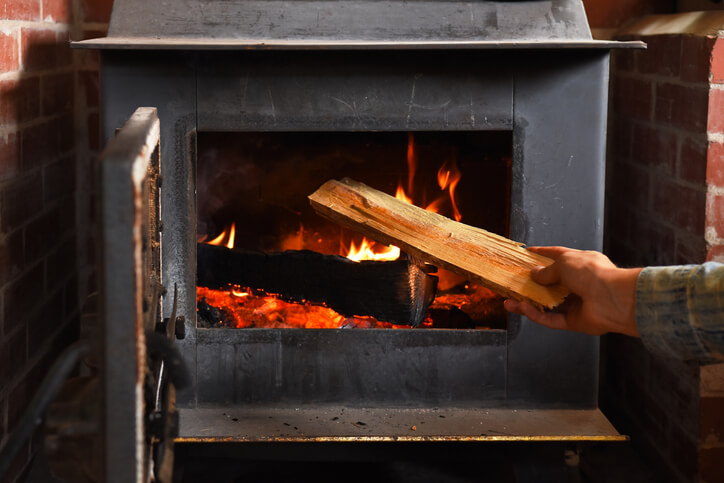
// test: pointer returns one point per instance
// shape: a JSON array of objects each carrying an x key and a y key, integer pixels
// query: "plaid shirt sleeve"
[{"x": 680, "y": 311}]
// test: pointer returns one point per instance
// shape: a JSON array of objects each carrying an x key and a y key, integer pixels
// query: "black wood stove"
[{"x": 526, "y": 74}]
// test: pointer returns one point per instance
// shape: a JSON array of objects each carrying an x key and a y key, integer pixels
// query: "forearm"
[
  {"x": 680, "y": 311},
  {"x": 619, "y": 285}
]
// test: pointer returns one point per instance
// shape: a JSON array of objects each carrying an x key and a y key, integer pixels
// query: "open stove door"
[{"x": 137, "y": 359}]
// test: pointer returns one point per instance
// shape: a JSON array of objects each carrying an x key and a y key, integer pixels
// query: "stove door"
[{"x": 131, "y": 291}]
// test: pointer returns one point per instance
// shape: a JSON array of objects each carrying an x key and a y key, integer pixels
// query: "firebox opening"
[{"x": 252, "y": 190}]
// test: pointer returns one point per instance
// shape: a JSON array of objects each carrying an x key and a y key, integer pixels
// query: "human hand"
[{"x": 603, "y": 296}]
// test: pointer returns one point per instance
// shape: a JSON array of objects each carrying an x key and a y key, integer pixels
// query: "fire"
[
  {"x": 401, "y": 195},
  {"x": 411, "y": 161},
  {"x": 219, "y": 240},
  {"x": 369, "y": 250},
  {"x": 245, "y": 308},
  {"x": 448, "y": 178}
]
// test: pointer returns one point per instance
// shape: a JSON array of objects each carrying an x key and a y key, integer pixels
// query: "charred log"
[{"x": 399, "y": 291}]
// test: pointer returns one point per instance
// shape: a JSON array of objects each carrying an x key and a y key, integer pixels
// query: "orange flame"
[
  {"x": 219, "y": 240},
  {"x": 401, "y": 195},
  {"x": 369, "y": 250},
  {"x": 411, "y": 161},
  {"x": 449, "y": 179}
]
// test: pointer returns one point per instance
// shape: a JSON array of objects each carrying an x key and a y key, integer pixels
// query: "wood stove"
[{"x": 526, "y": 72}]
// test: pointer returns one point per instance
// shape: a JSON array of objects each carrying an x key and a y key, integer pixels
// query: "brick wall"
[
  {"x": 48, "y": 134},
  {"x": 665, "y": 205},
  {"x": 613, "y": 13}
]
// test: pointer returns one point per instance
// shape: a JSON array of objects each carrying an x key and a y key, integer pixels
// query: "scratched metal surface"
[
  {"x": 373, "y": 367},
  {"x": 328, "y": 91},
  {"x": 345, "y": 424},
  {"x": 391, "y": 21}
]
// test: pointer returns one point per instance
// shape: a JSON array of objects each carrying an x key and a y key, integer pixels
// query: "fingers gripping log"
[{"x": 491, "y": 260}]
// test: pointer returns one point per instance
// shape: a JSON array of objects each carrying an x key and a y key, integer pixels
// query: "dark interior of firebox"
[{"x": 252, "y": 190}]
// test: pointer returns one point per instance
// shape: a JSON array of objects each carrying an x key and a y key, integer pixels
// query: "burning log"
[
  {"x": 493, "y": 261},
  {"x": 398, "y": 291}
]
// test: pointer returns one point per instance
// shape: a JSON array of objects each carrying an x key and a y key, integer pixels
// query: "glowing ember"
[{"x": 243, "y": 308}]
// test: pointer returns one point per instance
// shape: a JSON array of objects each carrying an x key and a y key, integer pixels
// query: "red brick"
[
  {"x": 710, "y": 465},
  {"x": 633, "y": 97},
  {"x": 65, "y": 129},
  {"x": 20, "y": 200},
  {"x": 9, "y": 56},
  {"x": 715, "y": 165},
  {"x": 56, "y": 93},
  {"x": 712, "y": 416},
  {"x": 22, "y": 296},
  {"x": 620, "y": 137},
  {"x": 690, "y": 249},
  {"x": 654, "y": 242},
  {"x": 66, "y": 212},
  {"x": 716, "y": 111},
  {"x": 97, "y": 10},
  {"x": 20, "y": 10},
  {"x": 3, "y": 403},
  {"x": 89, "y": 87},
  {"x": 70, "y": 294},
  {"x": 692, "y": 159},
  {"x": 58, "y": 11},
  {"x": 655, "y": 419},
  {"x": 94, "y": 132},
  {"x": 618, "y": 221},
  {"x": 661, "y": 57},
  {"x": 621, "y": 253},
  {"x": 44, "y": 324},
  {"x": 630, "y": 184},
  {"x": 17, "y": 352},
  {"x": 39, "y": 47},
  {"x": 17, "y": 472},
  {"x": 19, "y": 397},
  {"x": 682, "y": 454},
  {"x": 682, "y": 206},
  {"x": 622, "y": 60},
  {"x": 696, "y": 58},
  {"x": 9, "y": 156},
  {"x": 19, "y": 100},
  {"x": 654, "y": 148},
  {"x": 674, "y": 385},
  {"x": 42, "y": 235},
  {"x": 44, "y": 49},
  {"x": 715, "y": 213},
  {"x": 716, "y": 253},
  {"x": 717, "y": 61},
  {"x": 59, "y": 179},
  {"x": 5, "y": 374},
  {"x": 12, "y": 257},
  {"x": 40, "y": 144},
  {"x": 62, "y": 263},
  {"x": 682, "y": 106},
  {"x": 63, "y": 54}
]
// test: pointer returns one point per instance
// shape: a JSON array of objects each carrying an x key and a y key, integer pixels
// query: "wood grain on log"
[{"x": 493, "y": 261}]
